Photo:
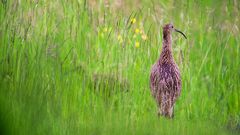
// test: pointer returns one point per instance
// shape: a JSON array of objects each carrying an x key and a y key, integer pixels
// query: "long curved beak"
[{"x": 180, "y": 33}]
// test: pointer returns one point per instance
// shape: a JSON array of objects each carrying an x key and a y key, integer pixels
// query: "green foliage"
[{"x": 82, "y": 67}]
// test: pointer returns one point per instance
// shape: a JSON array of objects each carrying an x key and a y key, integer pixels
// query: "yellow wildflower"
[
  {"x": 144, "y": 36},
  {"x": 133, "y": 20},
  {"x": 137, "y": 30},
  {"x": 137, "y": 44},
  {"x": 120, "y": 39},
  {"x": 105, "y": 29}
]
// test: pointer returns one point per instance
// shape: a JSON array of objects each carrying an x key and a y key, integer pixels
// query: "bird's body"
[{"x": 165, "y": 79}]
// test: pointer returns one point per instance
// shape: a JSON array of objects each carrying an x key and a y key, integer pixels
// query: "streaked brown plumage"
[{"x": 165, "y": 79}]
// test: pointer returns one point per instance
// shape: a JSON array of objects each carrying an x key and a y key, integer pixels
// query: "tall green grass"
[{"x": 64, "y": 70}]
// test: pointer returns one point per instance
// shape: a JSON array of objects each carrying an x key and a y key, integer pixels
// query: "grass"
[{"x": 73, "y": 67}]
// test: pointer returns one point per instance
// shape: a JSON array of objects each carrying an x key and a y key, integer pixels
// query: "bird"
[{"x": 165, "y": 78}]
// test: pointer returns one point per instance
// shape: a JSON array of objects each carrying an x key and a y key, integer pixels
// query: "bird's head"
[{"x": 168, "y": 28}]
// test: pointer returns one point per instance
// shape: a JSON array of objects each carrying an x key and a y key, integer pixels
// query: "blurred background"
[{"x": 83, "y": 66}]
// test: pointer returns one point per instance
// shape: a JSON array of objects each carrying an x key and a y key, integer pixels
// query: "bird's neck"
[{"x": 166, "y": 54}]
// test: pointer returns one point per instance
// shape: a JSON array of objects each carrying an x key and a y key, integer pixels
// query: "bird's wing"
[
  {"x": 177, "y": 83},
  {"x": 170, "y": 82},
  {"x": 154, "y": 79}
]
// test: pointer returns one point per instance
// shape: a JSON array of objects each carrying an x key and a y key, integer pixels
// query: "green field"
[{"x": 83, "y": 66}]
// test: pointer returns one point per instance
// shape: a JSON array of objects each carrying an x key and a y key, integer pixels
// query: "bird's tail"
[{"x": 166, "y": 109}]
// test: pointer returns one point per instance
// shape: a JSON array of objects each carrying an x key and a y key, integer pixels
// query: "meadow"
[{"x": 83, "y": 66}]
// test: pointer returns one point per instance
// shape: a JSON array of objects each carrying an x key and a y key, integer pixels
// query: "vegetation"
[{"x": 82, "y": 67}]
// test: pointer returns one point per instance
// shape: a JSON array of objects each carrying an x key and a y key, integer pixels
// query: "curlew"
[{"x": 165, "y": 79}]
